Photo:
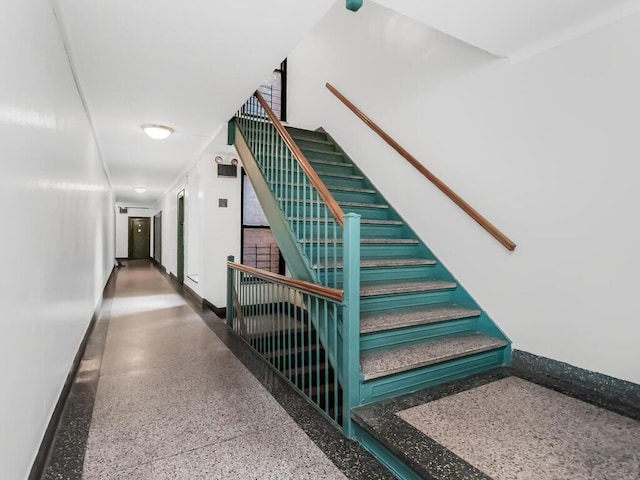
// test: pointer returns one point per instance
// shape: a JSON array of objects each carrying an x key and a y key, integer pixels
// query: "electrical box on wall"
[{"x": 227, "y": 170}]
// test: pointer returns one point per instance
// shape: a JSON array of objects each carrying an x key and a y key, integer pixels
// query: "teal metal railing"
[
  {"x": 314, "y": 217},
  {"x": 274, "y": 313},
  {"x": 287, "y": 320}
]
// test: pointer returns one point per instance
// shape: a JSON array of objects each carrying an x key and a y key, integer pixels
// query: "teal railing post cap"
[{"x": 354, "y": 5}]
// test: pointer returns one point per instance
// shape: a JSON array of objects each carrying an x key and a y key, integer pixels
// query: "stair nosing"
[
  {"x": 370, "y": 263},
  {"x": 339, "y": 175},
  {"x": 367, "y": 241},
  {"x": 367, "y": 221},
  {"x": 340, "y": 188}
]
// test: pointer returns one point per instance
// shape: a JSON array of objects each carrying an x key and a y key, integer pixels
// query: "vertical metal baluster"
[
  {"x": 334, "y": 347},
  {"x": 309, "y": 343},
  {"x": 325, "y": 317},
  {"x": 318, "y": 384}
]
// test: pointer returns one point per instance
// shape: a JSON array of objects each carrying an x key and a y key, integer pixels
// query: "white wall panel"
[
  {"x": 58, "y": 235},
  {"x": 546, "y": 149}
]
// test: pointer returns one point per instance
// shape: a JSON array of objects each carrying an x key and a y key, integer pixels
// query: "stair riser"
[
  {"x": 299, "y": 134},
  {"x": 364, "y": 212},
  {"x": 345, "y": 169},
  {"x": 301, "y": 192},
  {"x": 342, "y": 182},
  {"x": 324, "y": 155},
  {"x": 416, "y": 334},
  {"x": 422, "y": 272},
  {"x": 366, "y": 250},
  {"x": 312, "y": 143},
  {"x": 406, "y": 300},
  {"x": 431, "y": 375}
]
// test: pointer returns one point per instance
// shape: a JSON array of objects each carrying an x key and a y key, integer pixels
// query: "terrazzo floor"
[
  {"x": 173, "y": 401},
  {"x": 514, "y": 429}
]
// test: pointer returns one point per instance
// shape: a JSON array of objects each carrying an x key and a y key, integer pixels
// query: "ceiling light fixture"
[
  {"x": 140, "y": 189},
  {"x": 157, "y": 132}
]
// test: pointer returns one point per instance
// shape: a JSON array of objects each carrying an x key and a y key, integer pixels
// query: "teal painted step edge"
[
  {"x": 384, "y": 455},
  {"x": 431, "y": 375}
]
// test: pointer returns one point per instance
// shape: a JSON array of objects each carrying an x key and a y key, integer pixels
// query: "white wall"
[
  {"x": 546, "y": 149},
  {"x": 211, "y": 232},
  {"x": 58, "y": 235},
  {"x": 122, "y": 229}
]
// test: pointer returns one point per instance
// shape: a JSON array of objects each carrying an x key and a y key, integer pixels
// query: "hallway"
[{"x": 174, "y": 402}]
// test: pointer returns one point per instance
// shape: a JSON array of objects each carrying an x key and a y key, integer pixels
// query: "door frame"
[{"x": 180, "y": 217}]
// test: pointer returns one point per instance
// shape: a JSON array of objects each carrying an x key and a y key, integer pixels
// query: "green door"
[
  {"x": 180, "y": 273},
  {"x": 139, "y": 237}
]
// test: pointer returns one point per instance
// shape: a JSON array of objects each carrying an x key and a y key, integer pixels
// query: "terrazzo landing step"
[
  {"x": 383, "y": 321},
  {"x": 389, "y": 362}
]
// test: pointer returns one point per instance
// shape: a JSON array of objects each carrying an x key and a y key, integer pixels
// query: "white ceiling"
[
  {"x": 191, "y": 64},
  {"x": 187, "y": 64},
  {"x": 515, "y": 29}
]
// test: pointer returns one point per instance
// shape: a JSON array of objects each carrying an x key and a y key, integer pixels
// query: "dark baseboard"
[
  {"x": 220, "y": 312},
  {"x": 40, "y": 463},
  {"x": 192, "y": 293},
  {"x": 601, "y": 389}
]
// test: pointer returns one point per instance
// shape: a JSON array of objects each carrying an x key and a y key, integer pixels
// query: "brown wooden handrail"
[
  {"x": 472, "y": 212},
  {"x": 308, "y": 287},
  {"x": 322, "y": 189}
]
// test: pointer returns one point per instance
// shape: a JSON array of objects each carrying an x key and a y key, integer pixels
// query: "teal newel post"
[
  {"x": 230, "y": 288},
  {"x": 351, "y": 320}
]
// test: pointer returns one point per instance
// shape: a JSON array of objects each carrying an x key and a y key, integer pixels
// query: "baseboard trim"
[
  {"x": 192, "y": 293},
  {"x": 42, "y": 460},
  {"x": 220, "y": 312},
  {"x": 608, "y": 390}
]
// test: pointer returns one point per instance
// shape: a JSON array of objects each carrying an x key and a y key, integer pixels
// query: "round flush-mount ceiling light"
[
  {"x": 140, "y": 189},
  {"x": 157, "y": 132}
]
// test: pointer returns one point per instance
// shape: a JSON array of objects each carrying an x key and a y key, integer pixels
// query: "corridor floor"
[{"x": 172, "y": 401}]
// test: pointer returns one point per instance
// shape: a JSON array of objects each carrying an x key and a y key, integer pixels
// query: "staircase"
[{"x": 418, "y": 327}]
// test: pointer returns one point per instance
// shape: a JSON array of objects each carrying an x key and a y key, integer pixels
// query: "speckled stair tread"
[
  {"x": 396, "y": 360},
  {"x": 372, "y": 289},
  {"x": 380, "y": 321},
  {"x": 382, "y": 241},
  {"x": 387, "y": 262}
]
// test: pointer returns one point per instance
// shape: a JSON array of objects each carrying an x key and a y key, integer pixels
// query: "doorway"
[
  {"x": 139, "y": 237},
  {"x": 157, "y": 238},
  {"x": 180, "y": 259}
]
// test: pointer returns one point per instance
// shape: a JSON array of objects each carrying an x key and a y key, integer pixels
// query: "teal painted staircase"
[{"x": 418, "y": 326}]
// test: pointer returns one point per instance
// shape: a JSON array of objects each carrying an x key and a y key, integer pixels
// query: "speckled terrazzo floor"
[
  {"x": 175, "y": 399},
  {"x": 514, "y": 429}
]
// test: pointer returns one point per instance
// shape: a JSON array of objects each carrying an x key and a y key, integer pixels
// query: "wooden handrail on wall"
[
  {"x": 308, "y": 287},
  {"x": 306, "y": 167},
  {"x": 473, "y": 213}
]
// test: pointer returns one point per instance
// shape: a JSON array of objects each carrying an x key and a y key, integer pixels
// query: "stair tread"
[
  {"x": 381, "y": 321},
  {"x": 388, "y": 262},
  {"x": 400, "y": 359},
  {"x": 366, "y": 221},
  {"x": 367, "y": 241},
  {"x": 373, "y": 289}
]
